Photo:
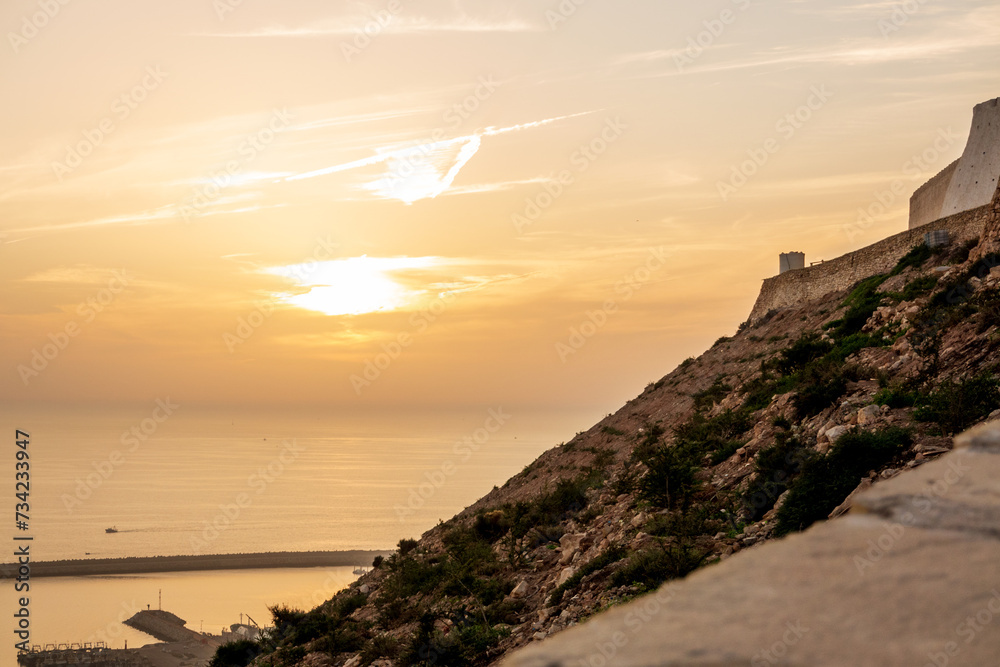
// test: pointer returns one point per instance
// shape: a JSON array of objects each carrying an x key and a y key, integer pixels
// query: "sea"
[{"x": 174, "y": 479}]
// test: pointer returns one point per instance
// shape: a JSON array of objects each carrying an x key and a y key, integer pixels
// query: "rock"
[
  {"x": 985, "y": 437},
  {"x": 843, "y": 507},
  {"x": 363, "y": 588},
  {"x": 887, "y": 585},
  {"x": 521, "y": 590},
  {"x": 837, "y": 432},
  {"x": 538, "y": 636},
  {"x": 565, "y": 575},
  {"x": 899, "y": 363},
  {"x": 639, "y": 519},
  {"x": 781, "y": 500},
  {"x": 570, "y": 543},
  {"x": 869, "y": 413},
  {"x": 353, "y": 662}
]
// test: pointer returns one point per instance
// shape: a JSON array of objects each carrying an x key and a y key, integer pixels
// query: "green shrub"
[
  {"x": 961, "y": 253},
  {"x": 670, "y": 481},
  {"x": 239, "y": 653},
  {"x": 405, "y": 546},
  {"x": 695, "y": 522},
  {"x": 395, "y": 611},
  {"x": 715, "y": 393},
  {"x": 954, "y": 406},
  {"x": 492, "y": 525},
  {"x": 919, "y": 287},
  {"x": 382, "y": 646},
  {"x": 702, "y": 435},
  {"x": 775, "y": 467},
  {"x": 806, "y": 349},
  {"x": 614, "y": 554},
  {"x": 819, "y": 385},
  {"x": 603, "y": 458},
  {"x": 505, "y": 611},
  {"x": 826, "y": 481},
  {"x": 569, "y": 498},
  {"x": 411, "y": 576},
  {"x": 468, "y": 643},
  {"x": 861, "y": 304},
  {"x": 916, "y": 257},
  {"x": 650, "y": 568},
  {"x": 346, "y": 605},
  {"x": 988, "y": 310},
  {"x": 726, "y": 451},
  {"x": 895, "y": 397}
]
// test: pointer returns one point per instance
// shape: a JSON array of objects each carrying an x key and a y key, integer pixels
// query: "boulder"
[
  {"x": 837, "y": 432},
  {"x": 565, "y": 575},
  {"x": 869, "y": 414},
  {"x": 570, "y": 543}
]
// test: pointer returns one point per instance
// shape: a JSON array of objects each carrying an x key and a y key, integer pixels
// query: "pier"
[{"x": 80, "y": 655}]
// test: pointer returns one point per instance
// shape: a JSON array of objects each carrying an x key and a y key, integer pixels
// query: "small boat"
[
  {"x": 360, "y": 570},
  {"x": 111, "y": 530}
]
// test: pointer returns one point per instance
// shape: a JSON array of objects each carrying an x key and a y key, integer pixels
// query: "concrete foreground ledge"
[{"x": 911, "y": 576}]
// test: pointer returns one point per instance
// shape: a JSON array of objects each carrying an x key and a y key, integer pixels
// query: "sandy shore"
[{"x": 108, "y": 566}]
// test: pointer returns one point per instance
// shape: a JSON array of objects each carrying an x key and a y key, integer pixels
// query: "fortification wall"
[
  {"x": 795, "y": 287},
  {"x": 927, "y": 202},
  {"x": 975, "y": 178},
  {"x": 971, "y": 181}
]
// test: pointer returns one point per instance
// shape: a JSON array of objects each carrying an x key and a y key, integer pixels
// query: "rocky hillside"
[{"x": 767, "y": 432}]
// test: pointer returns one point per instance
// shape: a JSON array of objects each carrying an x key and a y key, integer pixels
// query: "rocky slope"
[{"x": 766, "y": 433}]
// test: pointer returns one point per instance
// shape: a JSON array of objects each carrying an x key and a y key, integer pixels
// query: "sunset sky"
[{"x": 243, "y": 203}]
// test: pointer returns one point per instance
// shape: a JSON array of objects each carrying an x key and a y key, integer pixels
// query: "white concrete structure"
[
  {"x": 969, "y": 182},
  {"x": 788, "y": 261}
]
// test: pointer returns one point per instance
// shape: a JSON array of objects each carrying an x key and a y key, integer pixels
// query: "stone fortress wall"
[
  {"x": 928, "y": 201},
  {"x": 957, "y": 199},
  {"x": 794, "y": 287},
  {"x": 974, "y": 179}
]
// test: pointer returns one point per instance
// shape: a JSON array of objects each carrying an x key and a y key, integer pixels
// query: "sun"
[{"x": 351, "y": 286}]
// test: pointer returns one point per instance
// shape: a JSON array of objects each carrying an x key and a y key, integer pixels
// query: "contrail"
[{"x": 468, "y": 140}]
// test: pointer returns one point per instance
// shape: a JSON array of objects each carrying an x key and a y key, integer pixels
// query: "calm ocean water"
[{"x": 235, "y": 481}]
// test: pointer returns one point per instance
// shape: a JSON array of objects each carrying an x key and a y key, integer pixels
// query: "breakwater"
[{"x": 145, "y": 565}]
